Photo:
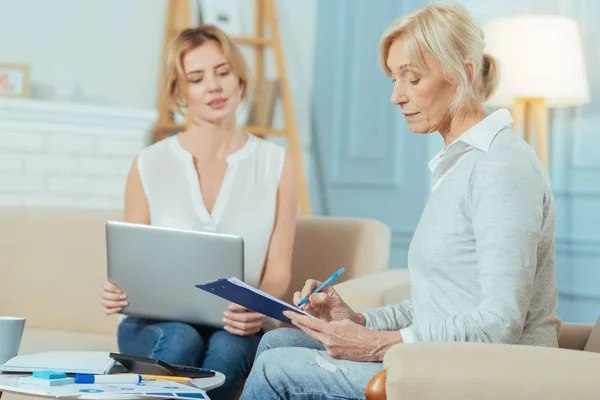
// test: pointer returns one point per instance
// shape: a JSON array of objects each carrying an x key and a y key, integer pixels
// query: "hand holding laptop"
[
  {"x": 238, "y": 319},
  {"x": 113, "y": 298}
]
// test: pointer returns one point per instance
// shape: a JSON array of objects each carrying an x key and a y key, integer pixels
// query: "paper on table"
[
  {"x": 158, "y": 388},
  {"x": 163, "y": 389},
  {"x": 237, "y": 282},
  {"x": 91, "y": 362}
]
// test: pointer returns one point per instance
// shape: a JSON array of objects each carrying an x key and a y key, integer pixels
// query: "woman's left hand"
[
  {"x": 242, "y": 321},
  {"x": 347, "y": 340}
]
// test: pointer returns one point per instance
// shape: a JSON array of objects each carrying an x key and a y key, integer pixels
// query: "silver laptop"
[{"x": 158, "y": 267}]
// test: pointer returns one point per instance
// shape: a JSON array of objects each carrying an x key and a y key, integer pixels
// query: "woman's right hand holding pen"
[{"x": 326, "y": 305}]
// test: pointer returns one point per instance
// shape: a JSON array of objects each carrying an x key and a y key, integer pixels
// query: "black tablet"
[{"x": 150, "y": 366}]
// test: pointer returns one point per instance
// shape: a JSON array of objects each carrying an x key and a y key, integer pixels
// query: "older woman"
[{"x": 481, "y": 260}]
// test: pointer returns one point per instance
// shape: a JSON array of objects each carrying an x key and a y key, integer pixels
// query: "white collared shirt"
[{"x": 478, "y": 137}]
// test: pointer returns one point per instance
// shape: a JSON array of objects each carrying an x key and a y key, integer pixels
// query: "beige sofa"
[
  {"x": 53, "y": 261},
  {"x": 464, "y": 371}
]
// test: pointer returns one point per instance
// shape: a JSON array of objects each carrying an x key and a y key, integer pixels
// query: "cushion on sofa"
[{"x": 35, "y": 340}]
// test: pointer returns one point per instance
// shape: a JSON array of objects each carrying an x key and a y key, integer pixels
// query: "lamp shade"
[{"x": 540, "y": 56}]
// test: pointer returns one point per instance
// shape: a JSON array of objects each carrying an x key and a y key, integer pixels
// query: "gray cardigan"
[{"x": 482, "y": 260}]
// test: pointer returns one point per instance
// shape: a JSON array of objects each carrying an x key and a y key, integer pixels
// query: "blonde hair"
[
  {"x": 451, "y": 36},
  {"x": 188, "y": 40}
]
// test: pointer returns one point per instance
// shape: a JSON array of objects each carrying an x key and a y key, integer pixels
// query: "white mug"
[{"x": 11, "y": 330}]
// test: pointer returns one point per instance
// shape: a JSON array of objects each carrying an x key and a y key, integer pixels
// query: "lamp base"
[{"x": 533, "y": 111}]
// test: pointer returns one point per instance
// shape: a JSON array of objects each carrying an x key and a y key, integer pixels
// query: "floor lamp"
[{"x": 541, "y": 67}]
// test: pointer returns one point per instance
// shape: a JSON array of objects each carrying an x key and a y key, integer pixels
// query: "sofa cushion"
[
  {"x": 52, "y": 263},
  {"x": 38, "y": 340},
  {"x": 375, "y": 290},
  {"x": 593, "y": 343},
  {"x": 324, "y": 244}
]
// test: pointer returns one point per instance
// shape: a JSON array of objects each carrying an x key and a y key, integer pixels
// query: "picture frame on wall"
[
  {"x": 14, "y": 80},
  {"x": 225, "y": 14}
]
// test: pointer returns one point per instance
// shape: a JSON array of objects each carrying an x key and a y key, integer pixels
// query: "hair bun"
[{"x": 490, "y": 71}]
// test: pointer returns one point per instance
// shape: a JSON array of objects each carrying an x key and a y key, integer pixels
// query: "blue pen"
[
  {"x": 118, "y": 379},
  {"x": 329, "y": 281}
]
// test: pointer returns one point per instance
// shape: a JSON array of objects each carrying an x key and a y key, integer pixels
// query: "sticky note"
[
  {"x": 30, "y": 380},
  {"x": 49, "y": 374}
]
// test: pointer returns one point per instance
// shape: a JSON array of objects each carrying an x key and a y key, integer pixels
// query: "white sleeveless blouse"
[{"x": 245, "y": 205}]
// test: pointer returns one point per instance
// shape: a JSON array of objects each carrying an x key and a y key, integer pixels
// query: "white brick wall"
[
  {"x": 8, "y": 199},
  {"x": 10, "y": 162},
  {"x": 48, "y": 163},
  {"x": 104, "y": 165},
  {"x": 20, "y": 141},
  {"x": 21, "y": 183},
  {"x": 123, "y": 147},
  {"x": 80, "y": 166},
  {"x": 69, "y": 185},
  {"x": 64, "y": 170},
  {"x": 69, "y": 144}
]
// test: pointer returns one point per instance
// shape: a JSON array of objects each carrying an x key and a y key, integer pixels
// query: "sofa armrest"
[
  {"x": 375, "y": 290},
  {"x": 375, "y": 389},
  {"x": 490, "y": 371},
  {"x": 574, "y": 336}
]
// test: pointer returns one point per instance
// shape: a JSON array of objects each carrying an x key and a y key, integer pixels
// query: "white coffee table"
[{"x": 9, "y": 383}]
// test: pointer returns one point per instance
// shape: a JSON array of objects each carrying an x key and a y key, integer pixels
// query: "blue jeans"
[
  {"x": 291, "y": 365},
  {"x": 197, "y": 346}
]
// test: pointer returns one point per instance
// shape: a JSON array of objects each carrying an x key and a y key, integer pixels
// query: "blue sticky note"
[{"x": 48, "y": 374}]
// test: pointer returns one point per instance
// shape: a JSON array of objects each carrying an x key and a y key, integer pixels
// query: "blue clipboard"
[{"x": 250, "y": 298}]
